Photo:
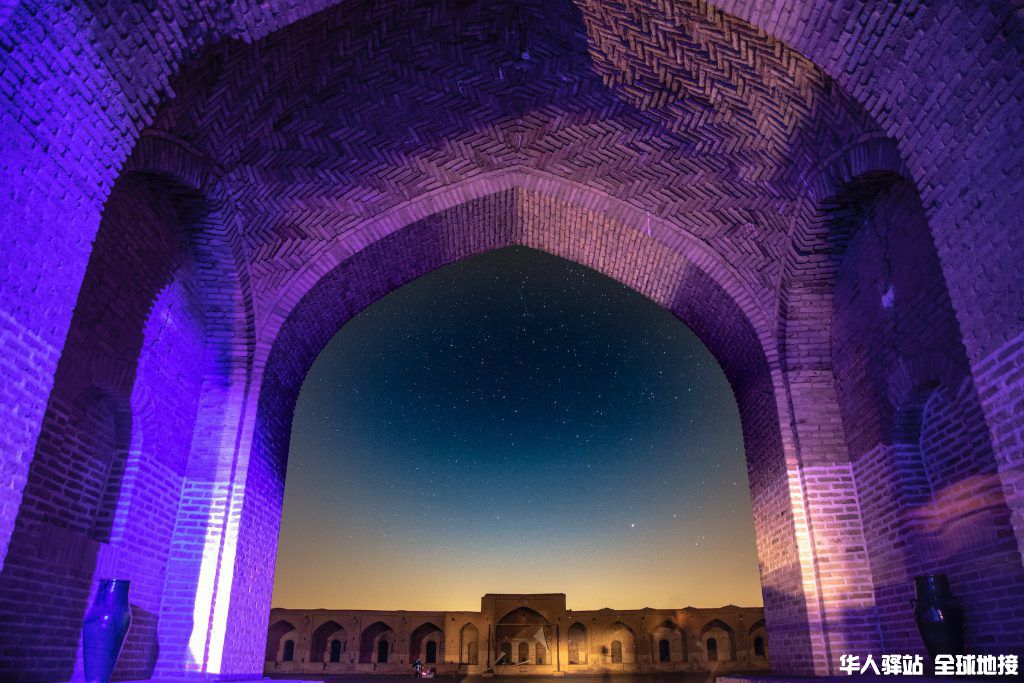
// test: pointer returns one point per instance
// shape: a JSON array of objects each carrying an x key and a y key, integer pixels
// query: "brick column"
[{"x": 999, "y": 379}]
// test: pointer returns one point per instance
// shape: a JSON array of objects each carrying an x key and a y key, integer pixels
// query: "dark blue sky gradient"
[{"x": 515, "y": 422}]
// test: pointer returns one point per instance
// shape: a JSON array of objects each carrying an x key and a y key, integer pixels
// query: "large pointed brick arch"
[
  {"x": 687, "y": 149},
  {"x": 684, "y": 279}
]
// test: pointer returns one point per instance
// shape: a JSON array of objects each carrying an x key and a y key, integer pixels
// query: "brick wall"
[
  {"x": 998, "y": 380},
  {"x": 104, "y": 484},
  {"x": 924, "y": 463}
]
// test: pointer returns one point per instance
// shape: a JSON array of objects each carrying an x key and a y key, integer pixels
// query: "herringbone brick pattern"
[{"x": 691, "y": 116}]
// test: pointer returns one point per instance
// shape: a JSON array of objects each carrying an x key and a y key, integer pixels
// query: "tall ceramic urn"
[
  {"x": 939, "y": 616},
  {"x": 104, "y": 629}
]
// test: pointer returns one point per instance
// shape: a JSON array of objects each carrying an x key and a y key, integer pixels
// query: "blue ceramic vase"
[
  {"x": 939, "y": 615},
  {"x": 104, "y": 628}
]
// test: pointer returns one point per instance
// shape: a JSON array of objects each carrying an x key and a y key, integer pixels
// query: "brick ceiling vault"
[
  {"x": 685, "y": 67},
  {"x": 694, "y": 119}
]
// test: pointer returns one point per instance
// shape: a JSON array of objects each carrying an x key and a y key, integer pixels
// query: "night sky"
[{"x": 516, "y": 423}]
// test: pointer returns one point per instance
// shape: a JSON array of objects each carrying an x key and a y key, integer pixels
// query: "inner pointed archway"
[
  {"x": 513, "y": 410},
  {"x": 696, "y": 290},
  {"x": 523, "y": 636}
]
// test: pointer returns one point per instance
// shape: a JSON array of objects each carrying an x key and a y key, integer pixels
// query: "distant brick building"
[{"x": 517, "y": 634}]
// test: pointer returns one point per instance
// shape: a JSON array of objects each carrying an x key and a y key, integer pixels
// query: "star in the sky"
[{"x": 471, "y": 426}]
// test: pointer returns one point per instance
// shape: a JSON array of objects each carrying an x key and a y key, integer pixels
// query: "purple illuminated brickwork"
[{"x": 196, "y": 196}]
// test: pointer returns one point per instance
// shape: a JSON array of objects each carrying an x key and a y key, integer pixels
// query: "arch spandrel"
[
  {"x": 338, "y": 156},
  {"x": 549, "y": 214}
]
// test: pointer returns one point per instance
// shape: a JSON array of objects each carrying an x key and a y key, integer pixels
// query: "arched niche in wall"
[
  {"x": 377, "y": 640},
  {"x": 469, "y": 644},
  {"x": 912, "y": 419},
  {"x": 279, "y": 631},
  {"x": 420, "y": 640},
  {"x": 140, "y": 337},
  {"x": 719, "y": 641},
  {"x": 322, "y": 642},
  {"x": 577, "y": 643}
]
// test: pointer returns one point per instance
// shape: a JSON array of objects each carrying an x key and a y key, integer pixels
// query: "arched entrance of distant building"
[
  {"x": 425, "y": 643},
  {"x": 376, "y": 643},
  {"x": 577, "y": 643},
  {"x": 719, "y": 641},
  {"x": 469, "y": 637},
  {"x": 524, "y": 635},
  {"x": 327, "y": 642},
  {"x": 621, "y": 644}
]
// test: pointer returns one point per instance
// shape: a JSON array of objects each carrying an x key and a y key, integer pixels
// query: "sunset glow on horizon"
[{"x": 516, "y": 423}]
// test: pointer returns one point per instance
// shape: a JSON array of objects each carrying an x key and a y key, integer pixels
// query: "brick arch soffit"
[
  {"x": 762, "y": 72},
  {"x": 579, "y": 196},
  {"x": 871, "y": 160},
  {"x": 817, "y": 243},
  {"x": 209, "y": 233},
  {"x": 208, "y": 27},
  {"x": 213, "y": 236},
  {"x": 783, "y": 94},
  {"x": 217, "y": 24},
  {"x": 239, "y": 23},
  {"x": 871, "y": 154},
  {"x": 279, "y": 345}
]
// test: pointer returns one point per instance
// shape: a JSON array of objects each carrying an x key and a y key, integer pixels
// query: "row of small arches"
[
  {"x": 336, "y": 647},
  {"x": 377, "y": 643},
  {"x": 670, "y": 641},
  {"x": 664, "y": 651},
  {"x": 330, "y": 643}
]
